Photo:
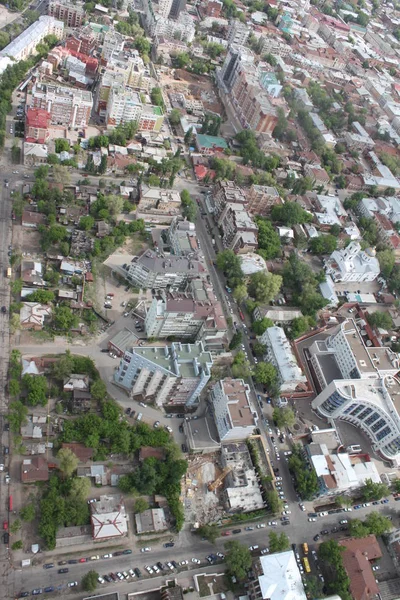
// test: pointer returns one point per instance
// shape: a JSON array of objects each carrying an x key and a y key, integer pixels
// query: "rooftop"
[
  {"x": 179, "y": 359},
  {"x": 281, "y": 579},
  {"x": 211, "y": 141},
  {"x": 238, "y": 404}
]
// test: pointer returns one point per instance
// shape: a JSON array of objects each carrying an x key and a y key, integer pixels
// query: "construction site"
[{"x": 220, "y": 484}]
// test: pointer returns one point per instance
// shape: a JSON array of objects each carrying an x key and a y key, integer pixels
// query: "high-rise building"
[
  {"x": 177, "y": 7},
  {"x": 163, "y": 7},
  {"x": 67, "y": 106},
  {"x": 72, "y": 14},
  {"x": 261, "y": 199},
  {"x": 113, "y": 42},
  {"x": 235, "y": 58},
  {"x": 123, "y": 106},
  {"x": 171, "y": 376},
  {"x": 238, "y": 32}
]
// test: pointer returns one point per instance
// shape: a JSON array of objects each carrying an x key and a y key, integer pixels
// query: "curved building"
[{"x": 359, "y": 385}]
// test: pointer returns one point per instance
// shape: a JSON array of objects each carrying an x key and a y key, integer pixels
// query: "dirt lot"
[
  {"x": 201, "y": 505},
  {"x": 199, "y": 86},
  {"x": 31, "y": 242},
  {"x": 210, "y": 585},
  {"x": 7, "y": 17}
]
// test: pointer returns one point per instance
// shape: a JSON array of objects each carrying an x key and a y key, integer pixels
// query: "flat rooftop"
[
  {"x": 238, "y": 406},
  {"x": 178, "y": 358}
]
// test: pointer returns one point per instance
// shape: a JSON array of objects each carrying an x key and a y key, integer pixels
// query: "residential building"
[
  {"x": 280, "y": 354},
  {"x": 158, "y": 205},
  {"x": 182, "y": 238},
  {"x": 25, "y": 44},
  {"x": 113, "y": 43},
  {"x": 340, "y": 472},
  {"x": 239, "y": 231},
  {"x": 37, "y": 124},
  {"x": 123, "y": 106},
  {"x": 211, "y": 8},
  {"x": 76, "y": 382},
  {"x": 122, "y": 341},
  {"x": 261, "y": 199},
  {"x": 163, "y": 7},
  {"x": 209, "y": 144},
  {"x": 151, "y": 118},
  {"x": 33, "y": 219},
  {"x": 177, "y": 7},
  {"x": 67, "y": 106},
  {"x": 277, "y": 577},
  {"x": 32, "y": 273},
  {"x": 182, "y": 316},
  {"x": 153, "y": 271},
  {"x": 353, "y": 264},
  {"x": 238, "y": 57},
  {"x": 225, "y": 192},
  {"x": 252, "y": 104},
  {"x": 238, "y": 32},
  {"x": 234, "y": 415},
  {"x": 173, "y": 376},
  {"x": 159, "y": 25},
  {"x": 72, "y": 14},
  {"x": 357, "y": 383},
  {"x": 150, "y": 521},
  {"x": 317, "y": 174},
  {"x": 358, "y": 557},
  {"x": 33, "y": 315},
  {"x": 164, "y": 46},
  {"x": 34, "y": 154},
  {"x": 34, "y": 469},
  {"x": 108, "y": 518}
]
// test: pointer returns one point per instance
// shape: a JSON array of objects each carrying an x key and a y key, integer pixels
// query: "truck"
[{"x": 9, "y": 272}]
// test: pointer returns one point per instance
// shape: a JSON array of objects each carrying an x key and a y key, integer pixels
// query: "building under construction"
[{"x": 242, "y": 491}]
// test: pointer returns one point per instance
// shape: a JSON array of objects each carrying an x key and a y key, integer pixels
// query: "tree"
[
  {"x": 210, "y": 532},
  {"x": 323, "y": 244},
  {"x": 373, "y": 491},
  {"x": 377, "y": 523},
  {"x": 261, "y": 325},
  {"x": 265, "y": 373},
  {"x": 230, "y": 264},
  {"x": 36, "y": 387},
  {"x": 379, "y": 319},
  {"x": 283, "y": 417},
  {"x": 259, "y": 349},
  {"x": 264, "y": 287},
  {"x": 28, "y": 512},
  {"x": 386, "y": 262},
  {"x": 278, "y": 542},
  {"x": 269, "y": 242},
  {"x": 114, "y": 204},
  {"x": 68, "y": 462},
  {"x": 357, "y": 528},
  {"x": 89, "y": 581},
  {"x": 141, "y": 505},
  {"x": 98, "y": 389},
  {"x": 42, "y": 296},
  {"x": 64, "y": 318},
  {"x": 86, "y": 223},
  {"x": 14, "y": 388},
  {"x": 240, "y": 293},
  {"x": 156, "y": 97},
  {"x": 241, "y": 367},
  {"x": 298, "y": 326},
  {"x": 274, "y": 502},
  {"x": 16, "y": 526},
  {"x": 237, "y": 559},
  {"x": 236, "y": 340},
  {"x": 189, "y": 206},
  {"x": 61, "y": 174},
  {"x": 61, "y": 145},
  {"x": 17, "y": 545},
  {"x": 174, "y": 116},
  {"x": 63, "y": 367},
  {"x": 17, "y": 415},
  {"x": 290, "y": 213},
  {"x": 80, "y": 488}
]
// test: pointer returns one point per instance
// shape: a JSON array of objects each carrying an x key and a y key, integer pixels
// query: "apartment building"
[
  {"x": 25, "y": 44},
  {"x": 151, "y": 118},
  {"x": 83, "y": 41},
  {"x": 225, "y": 192},
  {"x": 252, "y": 104},
  {"x": 72, "y": 14},
  {"x": 158, "y": 25},
  {"x": 171, "y": 376},
  {"x": 261, "y": 199},
  {"x": 37, "y": 123},
  {"x": 182, "y": 238},
  {"x": 113, "y": 42},
  {"x": 150, "y": 270},
  {"x": 280, "y": 354},
  {"x": 182, "y": 316},
  {"x": 238, "y": 57},
  {"x": 177, "y": 7},
  {"x": 233, "y": 413},
  {"x": 239, "y": 231},
  {"x": 359, "y": 385},
  {"x": 122, "y": 106},
  {"x": 211, "y": 8},
  {"x": 238, "y": 32},
  {"x": 70, "y": 107},
  {"x": 158, "y": 205}
]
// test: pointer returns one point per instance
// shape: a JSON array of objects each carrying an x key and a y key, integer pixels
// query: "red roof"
[
  {"x": 200, "y": 171},
  {"x": 38, "y": 117},
  {"x": 356, "y": 561},
  {"x": 81, "y": 452}
]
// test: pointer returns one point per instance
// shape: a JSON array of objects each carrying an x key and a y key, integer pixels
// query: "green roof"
[
  {"x": 211, "y": 141},
  {"x": 157, "y": 110}
]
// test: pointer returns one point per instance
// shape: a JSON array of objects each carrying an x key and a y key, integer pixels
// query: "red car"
[
  {"x": 225, "y": 533},
  {"x": 81, "y": 560},
  {"x": 5, "y": 525}
]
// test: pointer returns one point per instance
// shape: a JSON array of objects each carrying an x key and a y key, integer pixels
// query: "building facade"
[
  {"x": 25, "y": 44},
  {"x": 153, "y": 271},
  {"x": 70, "y": 107},
  {"x": 233, "y": 413},
  {"x": 280, "y": 354},
  {"x": 261, "y": 199},
  {"x": 353, "y": 264},
  {"x": 37, "y": 124},
  {"x": 171, "y": 376},
  {"x": 70, "y": 13}
]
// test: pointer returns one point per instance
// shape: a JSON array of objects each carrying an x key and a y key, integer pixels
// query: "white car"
[
  {"x": 261, "y": 525},
  {"x": 323, "y": 514},
  {"x": 147, "y": 549},
  {"x": 286, "y": 512},
  {"x": 155, "y": 569},
  {"x": 265, "y": 551},
  {"x": 253, "y": 548},
  {"x": 272, "y": 523},
  {"x": 125, "y": 574},
  {"x": 170, "y": 566},
  {"x": 302, "y": 507},
  {"x": 220, "y": 555},
  {"x": 148, "y": 569},
  {"x": 132, "y": 573},
  {"x": 1, "y": 467},
  {"x": 184, "y": 563},
  {"x": 72, "y": 584},
  {"x": 95, "y": 557},
  {"x": 278, "y": 478},
  {"x": 312, "y": 519},
  {"x": 120, "y": 576},
  {"x": 106, "y": 556},
  {"x": 196, "y": 561},
  {"x": 100, "y": 580}
]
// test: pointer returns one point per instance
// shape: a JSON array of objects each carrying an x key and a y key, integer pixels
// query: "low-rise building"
[
  {"x": 33, "y": 315},
  {"x": 209, "y": 144},
  {"x": 261, "y": 199},
  {"x": 34, "y": 154},
  {"x": 277, "y": 577},
  {"x": 241, "y": 487},
  {"x": 108, "y": 518},
  {"x": 173, "y": 376},
  {"x": 150, "y": 270},
  {"x": 37, "y": 125},
  {"x": 358, "y": 556},
  {"x": 25, "y": 44},
  {"x": 158, "y": 205},
  {"x": 34, "y": 469},
  {"x": 234, "y": 415},
  {"x": 280, "y": 354},
  {"x": 151, "y": 521}
]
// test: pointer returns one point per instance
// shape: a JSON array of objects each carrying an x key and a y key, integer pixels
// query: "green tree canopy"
[
  {"x": 380, "y": 319},
  {"x": 209, "y": 531},
  {"x": 260, "y": 325},
  {"x": 283, "y": 417},
  {"x": 278, "y": 542},
  {"x": 236, "y": 340},
  {"x": 230, "y": 264},
  {"x": 373, "y": 491},
  {"x": 237, "y": 559},
  {"x": 264, "y": 287},
  {"x": 89, "y": 581},
  {"x": 68, "y": 462},
  {"x": 265, "y": 373},
  {"x": 290, "y": 213}
]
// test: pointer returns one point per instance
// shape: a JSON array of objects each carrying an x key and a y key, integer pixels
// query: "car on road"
[
  {"x": 184, "y": 562},
  {"x": 376, "y": 568},
  {"x": 156, "y": 425},
  {"x": 73, "y": 561},
  {"x": 220, "y": 555},
  {"x": 316, "y": 537},
  {"x": 108, "y": 578},
  {"x": 357, "y": 506},
  {"x": 366, "y": 504},
  {"x": 72, "y": 584},
  {"x": 146, "y": 549},
  {"x": 384, "y": 501},
  {"x": 265, "y": 551},
  {"x": 196, "y": 561},
  {"x": 261, "y": 525},
  {"x": 63, "y": 571},
  {"x": 37, "y": 592},
  {"x": 272, "y": 523},
  {"x": 149, "y": 569},
  {"x": 248, "y": 528},
  {"x": 23, "y": 595},
  {"x": 286, "y": 512},
  {"x": 324, "y": 513},
  {"x": 169, "y": 545},
  {"x": 312, "y": 519},
  {"x": 302, "y": 507},
  {"x": 100, "y": 579},
  {"x": 48, "y": 565},
  {"x": 253, "y": 548},
  {"x": 131, "y": 572},
  {"x": 170, "y": 566},
  {"x": 95, "y": 557},
  {"x": 155, "y": 569},
  {"x": 236, "y": 531},
  {"x": 184, "y": 448},
  {"x": 106, "y": 556},
  {"x": 343, "y": 521},
  {"x": 225, "y": 533},
  {"x": 286, "y": 523},
  {"x": 83, "y": 560},
  {"x": 138, "y": 572},
  {"x": 113, "y": 577},
  {"x": 325, "y": 532},
  {"x": 125, "y": 574}
]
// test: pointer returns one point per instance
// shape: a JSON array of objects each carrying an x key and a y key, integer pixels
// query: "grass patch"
[
  {"x": 141, "y": 542},
  {"x": 211, "y": 585}
]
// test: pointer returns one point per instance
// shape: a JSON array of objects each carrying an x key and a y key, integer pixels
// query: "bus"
[
  {"x": 306, "y": 565},
  {"x": 305, "y": 548}
]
